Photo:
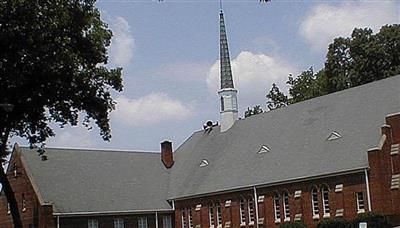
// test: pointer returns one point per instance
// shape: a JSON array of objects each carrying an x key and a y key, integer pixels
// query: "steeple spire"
[
  {"x": 227, "y": 93},
  {"x": 226, "y": 72}
]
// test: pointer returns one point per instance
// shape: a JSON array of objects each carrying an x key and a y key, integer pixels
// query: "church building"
[{"x": 334, "y": 156}]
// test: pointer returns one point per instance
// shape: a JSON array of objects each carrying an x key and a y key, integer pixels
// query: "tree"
[
  {"x": 52, "y": 69},
  {"x": 306, "y": 86},
  {"x": 276, "y": 98},
  {"x": 363, "y": 58},
  {"x": 254, "y": 111}
]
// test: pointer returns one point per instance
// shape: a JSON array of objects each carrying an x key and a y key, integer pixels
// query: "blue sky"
[{"x": 169, "y": 51}]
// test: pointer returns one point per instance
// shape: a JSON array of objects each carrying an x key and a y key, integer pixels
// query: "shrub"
[
  {"x": 293, "y": 225},
  {"x": 334, "y": 223},
  {"x": 373, "y": 221}
]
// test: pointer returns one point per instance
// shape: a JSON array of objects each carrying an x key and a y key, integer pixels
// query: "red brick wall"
[
  {"x": 34, "y": 214},
  {"x": 352, "y": 183}
]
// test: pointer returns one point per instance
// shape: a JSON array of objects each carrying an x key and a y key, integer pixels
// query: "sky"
[{"x": 169, "y": 52}]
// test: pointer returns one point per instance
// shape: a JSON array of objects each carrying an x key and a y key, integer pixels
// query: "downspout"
[
  {"x": 368, "y": 193},
  {"x": 256, "y": 206},
  {"x": 156, "y": 219},
  {"x": 58, "y": 221},
  {"x": 173, "y": 205}
]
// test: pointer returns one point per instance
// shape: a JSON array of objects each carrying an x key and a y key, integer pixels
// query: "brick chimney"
[{"x": 167, "y": 156}]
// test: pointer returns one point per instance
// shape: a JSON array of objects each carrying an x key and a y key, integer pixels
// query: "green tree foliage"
[
  {"x": 276, "y": 98},
  {"x": 293, "y": 225},
  {"x": 362, "y": 58},
  {"x": 51, "y": 71},
  {"x": 253, "y": 111}
]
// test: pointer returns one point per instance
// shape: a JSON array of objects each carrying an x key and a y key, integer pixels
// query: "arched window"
[
  {"x": 277, "y": 207},
  {"x": 242, "y": 211},
  {"x": 250, "y": 206},
  {"x": 211, "y": 214},
  {"x": 286, "y": 206},
  {"x": 314, "y": 202},
  {"x": 325, "y": 200},
  {"x": 219, "y": 214}
]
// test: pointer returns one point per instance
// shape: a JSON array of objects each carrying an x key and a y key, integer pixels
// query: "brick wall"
[{"x": 300, "y": 206}]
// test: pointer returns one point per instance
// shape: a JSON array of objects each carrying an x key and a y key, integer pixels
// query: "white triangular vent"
[
  {"x": 263, "y": 149},
  {"x": 204, "y": 163},
  {"x": 334, "y": 135}
]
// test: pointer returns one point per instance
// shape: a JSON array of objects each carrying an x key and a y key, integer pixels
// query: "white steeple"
[{"x": 227, "y": 93}]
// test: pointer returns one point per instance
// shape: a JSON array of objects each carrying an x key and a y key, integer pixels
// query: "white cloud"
[
  {"x": 327, "y": 21},
  {"x": 253, "y": 75},
  {"x": 122, "y": 43},
  {"x": 150, "y": 109},
  {"x": 74, "y": 137}
]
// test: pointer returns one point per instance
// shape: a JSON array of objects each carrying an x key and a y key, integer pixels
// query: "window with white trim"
[
  {"x": 360, "y": 202},
  {"x": 219, "y": 214},
  {"x": 277, "y": 208},
  {"x": 190, "y": 218},
  {"x": 142, "y": 222},
  {"x": 314, "y": 202},
  {"x": 242, "y": 211},
  {"x": 325, "y": 201},
  {"x": 250, "y": 208},
  {"x": 167, "y": 222},
  {"x": 183, "y": 217},
  {"x": 286, "y": 206},
  {"x": 118, "y": 223},
  {"x": 93, "y": 223},
  {"x": 211, "y": 215}
]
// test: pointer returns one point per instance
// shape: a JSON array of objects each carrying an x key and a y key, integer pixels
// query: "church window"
[
  {"x": 325, "y": 201},
  {"x": 167, "y": 222},
  {"x": 286, "y": 206},
  {"x": 222, "y": 104},
  {"x": 23, "y": 203},
  {"x": 190, "y": 218},
  {"x": 314, "y": 203},
  {"x": 183, "y": 219},
  {"x": 219, "y": 214},
  {"x": 277, "y": 208},
  {"x": 93, "y": 223},
  {"x": 242, "y": 212},
  {"x": 8, "y": 209},
  {"x": 250, "y": 206},
  {"x": 360, "y": 203},
  {"x": 211, "y": 215},
  {"x": 142, "y": 222},
  {"x": 118, "y": 223}
]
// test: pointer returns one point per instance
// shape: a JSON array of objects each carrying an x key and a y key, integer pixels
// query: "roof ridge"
[{"x": 96, "y": 150}]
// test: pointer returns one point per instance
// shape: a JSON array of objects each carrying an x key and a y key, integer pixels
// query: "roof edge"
[
  {"x": 264, "y": 185},
  {"x": 106, "y": 213}
]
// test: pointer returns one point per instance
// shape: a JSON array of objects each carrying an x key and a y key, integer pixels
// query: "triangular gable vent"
[
  {"x": 334, "y": 135},
  {"x": 204, "y": 163},
  {"x": 263, "y": 149}
]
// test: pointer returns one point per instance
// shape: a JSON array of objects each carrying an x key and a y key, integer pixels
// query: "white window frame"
[
  {"x": 277, "y": 208},
  {"x": 325, "y": 201},
  {"x": 183, "y": 217},
  {"x": 219, "y": 215},
  {"x": 211, "y": 215},
  {"x": 251, "y": 210},
  {"x": 93, "y": 223},
  {"x": 242, "y": 212},
  {"x": 167, "y": 221},
  {"x": 360, "y": 202},
  {"x": 190, "y": 218},
  {"x": 286, "y": 206},
  {"x": 314, "y": 203},
  {"x": 119, "y": 223},
  {"x": 142, "y": 222}
]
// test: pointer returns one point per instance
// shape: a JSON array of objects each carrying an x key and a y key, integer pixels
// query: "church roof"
[
  {"x": 325, "y": 135},
  {"x": 94, "y": 181}
]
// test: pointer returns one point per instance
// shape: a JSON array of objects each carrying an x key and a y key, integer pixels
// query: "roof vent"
[
  {"x": 334, "y": 135},
  {"x": 264, "y": 149},
  {"x": 204, "y": 163}
]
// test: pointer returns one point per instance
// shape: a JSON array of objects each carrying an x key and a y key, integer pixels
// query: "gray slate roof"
[
  {"x": 296, "y": 136},
  {"x": 99, "y": 181}
]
